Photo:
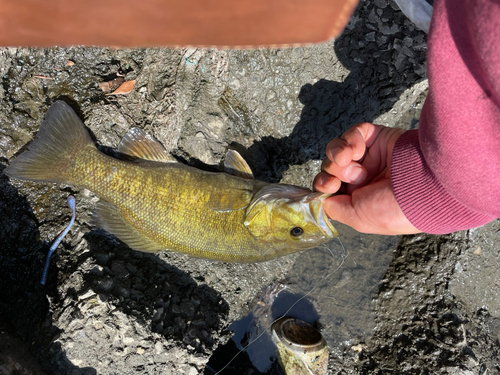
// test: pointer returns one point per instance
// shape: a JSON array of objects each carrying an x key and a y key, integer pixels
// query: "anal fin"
[{"x": 108, "y": 217}]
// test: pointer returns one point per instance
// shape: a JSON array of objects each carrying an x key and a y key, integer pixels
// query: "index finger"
[{"x": 360, "y": 137}]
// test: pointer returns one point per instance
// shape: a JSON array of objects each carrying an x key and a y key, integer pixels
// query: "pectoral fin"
[
  {"x": 229, "y": 200},
  {"x": 139, "y": 144},
  {"x": 110, "y": 218}
]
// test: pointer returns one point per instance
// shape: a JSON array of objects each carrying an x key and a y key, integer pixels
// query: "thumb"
[
  {"x": 371, "y": 209},
  {"x": 341, "y": 209}
]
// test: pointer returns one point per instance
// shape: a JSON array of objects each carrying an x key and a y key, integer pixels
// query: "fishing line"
[{"x": 344, "y": 257}]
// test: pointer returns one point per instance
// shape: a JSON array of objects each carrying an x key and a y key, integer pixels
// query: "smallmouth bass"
[{"x": 154, "y": 203}]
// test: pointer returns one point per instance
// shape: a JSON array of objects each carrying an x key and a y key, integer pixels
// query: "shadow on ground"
[
  {"x": 141, "y": 287},
  {"x": 23, "y": 301},
  {"x": 384, "y": 60}
]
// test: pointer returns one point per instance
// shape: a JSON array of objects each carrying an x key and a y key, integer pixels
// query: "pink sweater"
[{"x": 446, "y": 175}]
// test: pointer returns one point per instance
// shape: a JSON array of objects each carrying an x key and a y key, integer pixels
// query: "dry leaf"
[
  {"x": 70, "y": 63},
  {"x": 111, "y": 85},
  {"x": 125, "y": 88},
  {"x": 105, "y": 86}
]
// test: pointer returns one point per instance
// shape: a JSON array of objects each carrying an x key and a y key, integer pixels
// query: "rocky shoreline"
[{"x": 418, "y": 305}]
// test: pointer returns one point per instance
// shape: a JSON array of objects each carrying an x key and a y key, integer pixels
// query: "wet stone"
[
  {"x": 176, "y": 309},
  {"x": 122, "y": 291},
  {"x": 408, "y": 52},
  {"x": 180, "y": 324},
  {"x": 119, "y": 269},
  {"x": 136, "y": 295},
  {"x": 195, "y": 301},
  {"x": 106, "y": 284},
  {"x": 97, "y": 271},
  {"x": 408, "y": 42},
  {"x": 187, "y": 309},
  {"x": 158, "y": 315}
]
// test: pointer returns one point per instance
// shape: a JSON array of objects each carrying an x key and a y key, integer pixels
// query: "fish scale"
[
  {"x": 153, "y": 203},
  {"x": 151, "y": 197}
]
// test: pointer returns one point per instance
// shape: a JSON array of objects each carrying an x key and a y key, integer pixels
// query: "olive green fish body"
[
  {"x": 169, "y": 204},
  {"x": 154, "y": 203}
]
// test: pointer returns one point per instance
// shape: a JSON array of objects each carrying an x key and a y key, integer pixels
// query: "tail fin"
[{"x": 60, "y": 137}]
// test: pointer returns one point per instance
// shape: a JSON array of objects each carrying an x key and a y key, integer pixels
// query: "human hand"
[{"x": 361, "y": 159}]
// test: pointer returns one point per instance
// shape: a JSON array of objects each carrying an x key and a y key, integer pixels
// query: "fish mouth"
[
  {"x": 309, "y": 203},
  {"x": 318, "y": 214},
  {"x": 280, "y": 191}
]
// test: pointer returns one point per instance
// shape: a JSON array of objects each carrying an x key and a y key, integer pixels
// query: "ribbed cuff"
[{"x": 421, "y": 196}]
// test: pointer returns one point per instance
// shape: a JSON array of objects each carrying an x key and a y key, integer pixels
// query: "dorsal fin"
[
  {"x": 235, "y": 164},
  {"x": 139, "y": 144}
]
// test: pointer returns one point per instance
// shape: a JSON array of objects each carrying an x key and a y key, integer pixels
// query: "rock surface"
[{"x": 421, "y": 304}]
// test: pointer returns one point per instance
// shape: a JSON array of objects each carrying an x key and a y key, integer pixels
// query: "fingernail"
[
  {"x": 333, "y": 152},
  {"x": 322, "y": 180},
  {"x": 355, "y": 173}
]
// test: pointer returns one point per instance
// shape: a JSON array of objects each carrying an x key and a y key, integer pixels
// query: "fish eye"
[{"x": 296, "y": 231}]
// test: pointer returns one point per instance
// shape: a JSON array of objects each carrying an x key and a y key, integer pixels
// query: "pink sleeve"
[{"x": 446, "y": 177}]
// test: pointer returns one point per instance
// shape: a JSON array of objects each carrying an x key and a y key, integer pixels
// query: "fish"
[{"x": 152, "y": 202}]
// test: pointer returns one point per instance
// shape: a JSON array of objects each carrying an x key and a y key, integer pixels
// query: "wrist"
[{"x": 422, "y": 198}]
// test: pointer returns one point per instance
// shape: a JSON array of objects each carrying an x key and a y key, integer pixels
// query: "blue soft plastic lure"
[{"x": 71, "y": 203}]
